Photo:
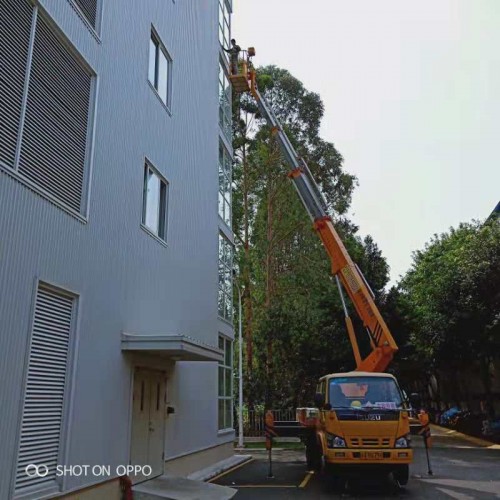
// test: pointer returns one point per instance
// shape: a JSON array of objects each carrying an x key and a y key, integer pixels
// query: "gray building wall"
[{"x": 125, "y": 279}]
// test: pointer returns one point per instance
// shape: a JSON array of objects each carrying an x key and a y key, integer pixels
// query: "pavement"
[
  {"x": 179, "y": 488},
  {"x": 463, "y": 468},
  {"x": 192, "y": 487}
]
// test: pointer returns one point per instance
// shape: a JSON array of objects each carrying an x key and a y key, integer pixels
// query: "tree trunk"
[
  {"x": 486, "y": 379},
  {"x": 269, "y": 287},
  {"x": 270, "y": 267}
]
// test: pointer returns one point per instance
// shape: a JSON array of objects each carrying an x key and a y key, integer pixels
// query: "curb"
[
  {"x": 466, "y": 437},
  {"x": 219, "y": 468}
]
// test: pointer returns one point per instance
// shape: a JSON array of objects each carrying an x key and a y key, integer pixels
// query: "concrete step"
[{"x": 180, "y": 488}]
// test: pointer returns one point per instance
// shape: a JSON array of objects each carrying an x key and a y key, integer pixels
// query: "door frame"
[{"x": 163, "y": 372}]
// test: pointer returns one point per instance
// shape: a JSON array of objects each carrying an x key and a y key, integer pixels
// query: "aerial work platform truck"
[{"x": 361, "y": 419}]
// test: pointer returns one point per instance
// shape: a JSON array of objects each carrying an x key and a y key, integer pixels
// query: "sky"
[{"x": 412, "y": 102}]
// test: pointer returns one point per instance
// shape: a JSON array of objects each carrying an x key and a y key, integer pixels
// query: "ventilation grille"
[
  {"x": 55, "y": 130},
  {"x": 45, "y": 387},
  {"x": 15, "y": 27},
  {"x": 370, "y": 442},
  {"x": 89, "y": 9}
]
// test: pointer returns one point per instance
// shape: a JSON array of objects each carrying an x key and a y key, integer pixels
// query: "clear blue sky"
[{"x": 412, "y": 98}]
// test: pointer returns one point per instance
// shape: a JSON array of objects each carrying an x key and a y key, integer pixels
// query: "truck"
[{"x": 361, "y": 419}]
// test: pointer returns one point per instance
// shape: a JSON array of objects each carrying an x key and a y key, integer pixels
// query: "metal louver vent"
[
  {"x": 45, "y": 388},
  {"x": 55, "y": 130},
  {"x": 89, "y": 9},
  {"x": 15, "y": 27}
]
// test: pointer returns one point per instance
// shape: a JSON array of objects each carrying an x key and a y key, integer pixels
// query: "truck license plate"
[{"x": 372, "y": 455}]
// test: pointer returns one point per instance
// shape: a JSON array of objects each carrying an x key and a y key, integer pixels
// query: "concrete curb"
[
  {"x": 466, "y": 437},
  {"x": 219, "y": 467}
]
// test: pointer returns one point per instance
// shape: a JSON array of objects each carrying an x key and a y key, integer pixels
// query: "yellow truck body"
[{"x": 364, "y": 432}]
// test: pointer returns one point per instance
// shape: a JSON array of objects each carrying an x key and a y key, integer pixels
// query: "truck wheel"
[
  {"x": 333, "y": 481},
  {"x": 402, "y": 474}
]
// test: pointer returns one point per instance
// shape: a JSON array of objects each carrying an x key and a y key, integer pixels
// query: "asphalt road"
[{"x": 464, "y": 468}]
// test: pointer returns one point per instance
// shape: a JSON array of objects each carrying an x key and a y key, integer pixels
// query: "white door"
[{"x": 148, "y": 412}]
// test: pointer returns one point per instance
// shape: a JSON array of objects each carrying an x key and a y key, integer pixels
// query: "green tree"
[
  {"x": 294, "y": 321},
  {"x": 453, "y": 293}
]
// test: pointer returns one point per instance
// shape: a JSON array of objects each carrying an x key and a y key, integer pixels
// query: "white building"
[{"x": 115, "y": 260}]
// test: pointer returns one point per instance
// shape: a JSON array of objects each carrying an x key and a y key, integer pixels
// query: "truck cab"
[{"x": 362, "y": 422}]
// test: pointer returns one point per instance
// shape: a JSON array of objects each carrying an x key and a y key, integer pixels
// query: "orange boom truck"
[{"x": 361, "y": 418}]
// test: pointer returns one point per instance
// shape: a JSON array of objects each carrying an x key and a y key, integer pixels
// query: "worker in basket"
[{"x": 234, "y": 52}]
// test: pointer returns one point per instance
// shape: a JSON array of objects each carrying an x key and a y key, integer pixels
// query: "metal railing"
[{"x": 253, "y": 421}]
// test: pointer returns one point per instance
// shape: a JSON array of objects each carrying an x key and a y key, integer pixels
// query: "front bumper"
[{"x": 363, "y": 456}]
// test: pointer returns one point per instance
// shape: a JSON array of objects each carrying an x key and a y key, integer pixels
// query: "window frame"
[
  {"x": 225, "y": 287},
  {"x": 226, "y": 394},
  {"x": 68, "y": 402},
  {"x": 225, "y": 100},
  {"x": 13, "y": 170},
  {"x": 160, "y": 49},
  {"x": 225, "y": 184},
  {"x": 163, "y": 199},
  {"x": 223, "y": 24}
]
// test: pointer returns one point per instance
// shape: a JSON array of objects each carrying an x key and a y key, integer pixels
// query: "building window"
[
  {"x": 46, "y": 141},
  {"x": 225, "y": 174},
  {"x": 45, "y": 391},
  {"x": 159, "y": 68},
  {"x": 226, "y": 384},
  {"x": 154, "y": 211},
  {"x": 224, "y": 25},
  {"x": 225, "y": 279},
  {"x": 225, "y": 119}
]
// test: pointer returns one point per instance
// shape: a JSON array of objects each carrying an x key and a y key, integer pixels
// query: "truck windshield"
[{"x": 365, "y": 392}]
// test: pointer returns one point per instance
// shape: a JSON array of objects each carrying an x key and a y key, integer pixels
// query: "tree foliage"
[
  {"x": 294, "y": 322},
  {"x": 453, "y": 289},
  {"x": 448, "y": 304}
]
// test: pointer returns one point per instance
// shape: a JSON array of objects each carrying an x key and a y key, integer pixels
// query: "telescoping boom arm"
[{"x": 347, "y": 274}]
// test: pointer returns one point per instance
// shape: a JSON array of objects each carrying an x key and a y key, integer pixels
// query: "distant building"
[
  {"x": 116, "y": 245},
  {"x": 496, "y": 213}
]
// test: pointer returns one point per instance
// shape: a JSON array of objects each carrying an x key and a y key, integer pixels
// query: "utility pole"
[{"x": 240, "y": 368}]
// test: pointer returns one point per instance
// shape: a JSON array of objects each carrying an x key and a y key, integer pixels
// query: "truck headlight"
[
  {"x": 402, "y": 442},
  {"x": 333, "y": 441}
]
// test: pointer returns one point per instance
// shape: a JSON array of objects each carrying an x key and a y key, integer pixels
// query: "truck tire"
[
  {"x": 402, "y": 474},
  {"x": 332, "y": 480}
]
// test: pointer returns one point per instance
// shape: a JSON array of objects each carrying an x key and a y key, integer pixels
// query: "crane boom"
[{"x": 347, "y": 274}]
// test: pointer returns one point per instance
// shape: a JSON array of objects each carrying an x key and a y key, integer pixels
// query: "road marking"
[
  {"x": 455, "y": 494},
  {"x": 460, "y": 463},
  {"x": 304, "y": 482},
  {"x": 236, "y": 467},
  {"x": 486, "y": 486},
  {"x": 471, "y": 439}
]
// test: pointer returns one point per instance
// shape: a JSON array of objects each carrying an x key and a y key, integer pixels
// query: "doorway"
[{"x": 148, "y": 422}]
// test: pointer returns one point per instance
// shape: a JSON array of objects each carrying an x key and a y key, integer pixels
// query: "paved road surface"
[{"x": 464, "y": 469}]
